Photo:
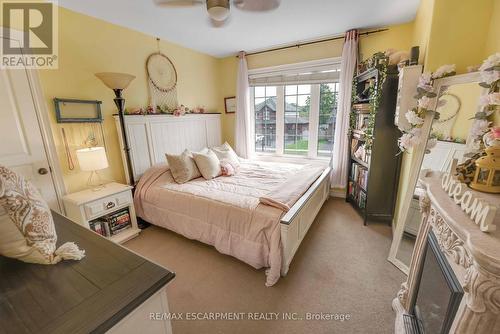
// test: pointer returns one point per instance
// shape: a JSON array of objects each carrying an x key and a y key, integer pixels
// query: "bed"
[{"x": 225, "y": 212}]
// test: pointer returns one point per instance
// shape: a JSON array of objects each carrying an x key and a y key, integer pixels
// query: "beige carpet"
[{"x": 340, "y": 267}]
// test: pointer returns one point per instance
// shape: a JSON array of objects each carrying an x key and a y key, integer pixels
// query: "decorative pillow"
[
  {"x": 183, "y": 167},
  {"x": 27, "y": 230},
  {"x": 227, "y": 168},
  {"x": 226, "y": 152},
  {"x": 208, "y": 163}
]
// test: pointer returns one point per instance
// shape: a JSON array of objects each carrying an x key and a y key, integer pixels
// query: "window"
[
  {"x": 328, "y": 98},
  {"x": 265, "y": 118},
  {"x": 295, "y": 107},
  {"x": 307, "y": 114}
]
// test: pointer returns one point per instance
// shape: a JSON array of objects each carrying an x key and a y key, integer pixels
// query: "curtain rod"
[{"x": 312, "y": 42}]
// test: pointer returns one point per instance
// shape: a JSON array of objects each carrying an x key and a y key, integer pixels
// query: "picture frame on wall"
[{"x": 230, "y": 104}]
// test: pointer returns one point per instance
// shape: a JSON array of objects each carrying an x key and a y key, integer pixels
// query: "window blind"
[{"x": 293, "y": 75}]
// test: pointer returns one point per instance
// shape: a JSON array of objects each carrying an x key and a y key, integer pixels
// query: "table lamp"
[
  {"x": 91, "y": 160},
  {"x": 118, "y": 82}
]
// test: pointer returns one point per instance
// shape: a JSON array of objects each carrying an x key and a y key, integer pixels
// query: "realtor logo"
[{"x": 29, "y": 35}]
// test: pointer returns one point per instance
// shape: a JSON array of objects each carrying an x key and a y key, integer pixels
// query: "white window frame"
[{"x": 290, "y": 69}]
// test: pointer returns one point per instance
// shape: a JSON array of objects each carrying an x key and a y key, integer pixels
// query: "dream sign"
[{"x": 481, "y": 212}]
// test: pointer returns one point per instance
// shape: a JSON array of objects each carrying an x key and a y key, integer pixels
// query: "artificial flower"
[
  {"x": 424, "y": 102},
  {"x": 489, "y": 99},
  {"x": 494, "y": 99},
  {"x": 424, "y": 82},
  {"x": 416, "y": 135},
  {"x": 425, "y": 79},
  {"x": 431, "y": 143},
  {"x": 410, "y": 139},
  {"x": 479, "y": 127},
  {"x": 413, "y": 118},
  {"x": 490, "y": 77},
  {"x": 444, "y": 71},
  {"x": 491, "y": 61},
  {"x": 492, "y": 137},
  {"x": 180, "y": 110},
  {"x": 496, "y": 132},
  {"x": 404, "y": 142},
  {"x": 199, "y": 110}
]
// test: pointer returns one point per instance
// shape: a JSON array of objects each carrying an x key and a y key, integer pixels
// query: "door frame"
[{"x": 42, "y": 115}]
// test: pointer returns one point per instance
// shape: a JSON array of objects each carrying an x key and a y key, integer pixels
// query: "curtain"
[
  {"x": 340, "y": 159},
  {"x": 243, "y": 137}
]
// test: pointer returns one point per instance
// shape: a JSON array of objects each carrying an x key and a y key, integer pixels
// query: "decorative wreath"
[
  {"x": 456, "y": 105},
  {"x": 161, "y": 72}
]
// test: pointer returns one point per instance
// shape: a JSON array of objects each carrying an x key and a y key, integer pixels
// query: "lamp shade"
[
  {"x": 92, "y": 158},
  {"x": 115, "y": 80}
]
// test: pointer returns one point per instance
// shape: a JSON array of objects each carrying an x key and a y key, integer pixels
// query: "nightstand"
[{"x": 106, "y": 206}]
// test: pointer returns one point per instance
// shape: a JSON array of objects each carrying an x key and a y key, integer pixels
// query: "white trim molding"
[
  {"x": 309, "y": 72},
  {"x": 338, "y": 192}
]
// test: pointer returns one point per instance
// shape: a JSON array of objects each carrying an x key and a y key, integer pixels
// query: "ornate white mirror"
[{"x": 457, "y": 102}]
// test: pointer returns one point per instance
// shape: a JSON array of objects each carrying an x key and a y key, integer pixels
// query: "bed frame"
[{"x": 150, "y": 136}]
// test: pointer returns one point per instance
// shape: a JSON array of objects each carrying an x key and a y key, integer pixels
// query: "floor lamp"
[{"x": 118, "y": 82}]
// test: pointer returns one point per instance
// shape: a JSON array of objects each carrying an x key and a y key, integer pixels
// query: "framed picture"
[
  {"x": 77, "y": 111},
  {"x": 230, "y": 104}
]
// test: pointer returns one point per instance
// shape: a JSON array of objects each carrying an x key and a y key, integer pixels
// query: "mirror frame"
[{"x": 418, "y": 154}]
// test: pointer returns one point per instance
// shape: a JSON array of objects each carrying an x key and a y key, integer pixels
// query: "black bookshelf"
[{"x": 373, "y": 177}]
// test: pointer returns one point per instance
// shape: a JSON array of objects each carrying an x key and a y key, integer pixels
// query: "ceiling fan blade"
[
  {"x": 257, "y": 5},
  {"x": 179, "y": 3}
]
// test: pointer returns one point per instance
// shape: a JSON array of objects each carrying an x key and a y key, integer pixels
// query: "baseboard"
[{"x": 337, "y": 192}]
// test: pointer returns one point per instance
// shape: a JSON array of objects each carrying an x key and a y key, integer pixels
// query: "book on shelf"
[
  {"x": 359, "y": 175},
  {"x": 361, "y": 107},
  {"x": 362, "y": 200},
  {"x": 361, "y": 122},
  {"x": 112, "y": 224},
  {"x": 97, "y": 227}
]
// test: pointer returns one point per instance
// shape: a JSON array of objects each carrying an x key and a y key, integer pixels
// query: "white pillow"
[
  {"x": 182, "y": 167},
  {"x": 208, "y": 163},
  {"x": 27, "y": 231},
  {"x": 226, "y": 152}
]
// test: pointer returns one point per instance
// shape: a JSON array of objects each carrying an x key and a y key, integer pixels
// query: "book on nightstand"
[{"x": 112, "y": 224}]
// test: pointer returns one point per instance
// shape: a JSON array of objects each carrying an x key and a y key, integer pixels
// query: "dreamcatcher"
[
  {"x": 448, "y": 107},
  {"x": 162, "y": 80}
]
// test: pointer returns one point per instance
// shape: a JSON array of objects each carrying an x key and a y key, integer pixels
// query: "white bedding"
[{"x": 224, "y": 212}]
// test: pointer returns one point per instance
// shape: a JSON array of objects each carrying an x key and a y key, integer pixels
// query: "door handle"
[{"x": 43, "y": 171}]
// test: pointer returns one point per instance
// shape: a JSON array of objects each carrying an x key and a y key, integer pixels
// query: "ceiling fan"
[{"x": 219, "y": 10}]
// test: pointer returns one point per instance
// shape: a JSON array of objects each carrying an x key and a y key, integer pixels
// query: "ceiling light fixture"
[{"x": 218, "y": 9}]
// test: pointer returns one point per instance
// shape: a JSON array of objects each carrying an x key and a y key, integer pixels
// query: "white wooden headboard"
[
  {"x": 151, "y": 136},
  {"x": 440, "y": 157}
]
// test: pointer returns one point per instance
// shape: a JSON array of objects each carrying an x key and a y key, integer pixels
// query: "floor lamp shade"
[
  {"x": 115, "y": 80},
  {"x": 92, "y": 159}
]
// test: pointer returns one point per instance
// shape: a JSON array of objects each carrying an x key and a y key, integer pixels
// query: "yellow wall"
[
  {"x": 397, "y": 37},
  {"x": 88, "y": 45},
  {"x": 422, "y": 27},
  {"x": 493, "y": 37},
  {"x": 458, "y": 33}
]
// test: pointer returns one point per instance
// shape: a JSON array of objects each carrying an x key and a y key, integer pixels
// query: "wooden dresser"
[
  {"x": 473, "y": 256},
  {"x": 110, "y": 290}
]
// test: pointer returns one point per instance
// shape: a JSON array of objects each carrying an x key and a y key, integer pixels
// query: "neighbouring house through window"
[{"x": 294, "y": 109}]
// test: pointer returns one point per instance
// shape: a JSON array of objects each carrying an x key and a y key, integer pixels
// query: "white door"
[{"x": 21, "y": 145}]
